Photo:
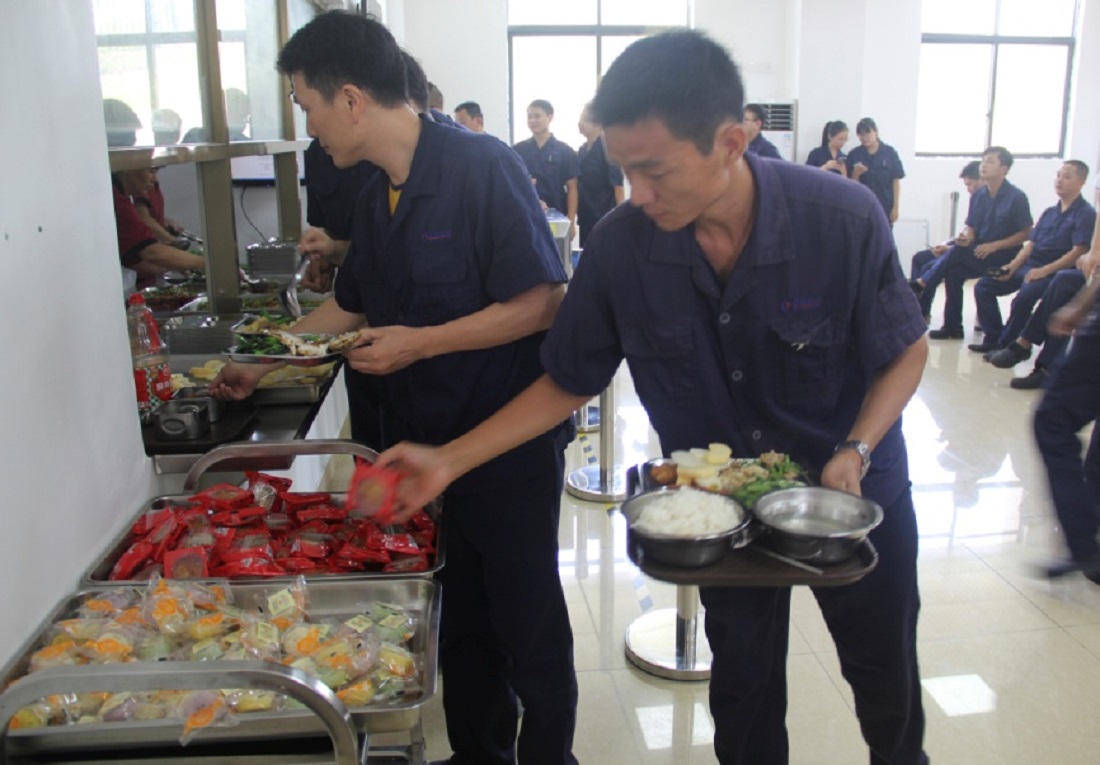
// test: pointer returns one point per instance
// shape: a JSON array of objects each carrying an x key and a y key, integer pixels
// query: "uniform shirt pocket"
[
  {"x": 444, "y": 287},
  {"x": 812, "y": 353},
  {"x": 663, "y": 362}
]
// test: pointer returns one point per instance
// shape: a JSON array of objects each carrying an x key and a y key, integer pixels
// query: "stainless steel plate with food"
[
  {"x": 254, "y": 324},
  {"x": 272, "y": 345},
  {"x": 683, "y": 526}
]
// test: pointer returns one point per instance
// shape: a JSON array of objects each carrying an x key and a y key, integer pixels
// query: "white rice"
[{"x": 688, "y": 512}]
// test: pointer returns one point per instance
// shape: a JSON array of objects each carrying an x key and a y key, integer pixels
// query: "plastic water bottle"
[{"x": 152, "y": 376}]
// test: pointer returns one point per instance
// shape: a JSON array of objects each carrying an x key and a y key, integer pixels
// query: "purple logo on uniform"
[
  {"x": 436, "y": 236},
  {"x": 796, "y": 305}
]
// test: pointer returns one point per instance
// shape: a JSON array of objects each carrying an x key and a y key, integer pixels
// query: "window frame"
[{"x": 995, "y": 41}]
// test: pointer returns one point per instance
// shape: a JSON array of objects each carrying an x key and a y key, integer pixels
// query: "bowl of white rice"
[{"x": 682, "y": 526}]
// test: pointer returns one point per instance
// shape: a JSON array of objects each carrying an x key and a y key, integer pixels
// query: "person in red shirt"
[{"x": 138, "y": 246}]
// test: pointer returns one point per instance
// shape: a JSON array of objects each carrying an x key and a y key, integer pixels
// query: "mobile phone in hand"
[{"x": 997, "y": 272}]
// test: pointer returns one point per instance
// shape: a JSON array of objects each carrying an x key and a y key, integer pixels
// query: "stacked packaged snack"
[
  {"x": 267, "y": 530},
  {"x": 366, "y": 658}
]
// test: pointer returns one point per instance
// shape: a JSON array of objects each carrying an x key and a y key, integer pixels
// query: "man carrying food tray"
[
  {"x": 452, "y": 279},
  {"x": 761, "y": 305}
]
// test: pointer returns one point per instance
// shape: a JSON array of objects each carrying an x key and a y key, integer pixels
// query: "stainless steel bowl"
[
  {"x": 677, "y": 550},
  {"x": 215, "y": 407},
  {"x": 815, "y": 524},
  {"x": 181, "y": 420}
]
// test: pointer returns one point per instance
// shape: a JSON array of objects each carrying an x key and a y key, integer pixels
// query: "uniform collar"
[{"x": 427, "y": 163}]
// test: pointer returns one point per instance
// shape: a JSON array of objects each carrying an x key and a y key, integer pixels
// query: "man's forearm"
[
  {"x": 339, "y": 254},
  {"x": 1018, "y": 238},
  {"x": 571, "y": 200},
  {"x": 329, "y": 318},
  {"x": 533, "y": 412},
  {"x": 496, "y": 324},
  {"x": 1069, "y": 260},
  {"x": 162, "y": 255},
  {"x": 889, "y": 393}
]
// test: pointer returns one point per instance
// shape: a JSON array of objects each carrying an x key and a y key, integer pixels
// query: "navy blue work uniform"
[
  {"x": 595, "y": 186},
  {"x": 762, "y": 147},
  {"x": 1055, "y": 233},
  {"x": 331, "y": 194},
  {"x": 821, "y": 155},
  {"x": 991, "y": 218},
  {"x": 1063, "y": 286},
  {"x": 779, "y": 357},
  {"x": 468, "y": 232},
  {"x": 883, "y": 168},
  {"x": 1072, "y": 401},
  {"x": 552, "y": 165}
]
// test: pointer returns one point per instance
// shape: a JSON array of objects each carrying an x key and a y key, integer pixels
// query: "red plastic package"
[
  {"x": 189, "y": 563},
  {"x": 322, "y": 512},
  {"x": 352, "y": 552},
  {"x": 372, "y": 492},
  {"x": 250, "y": 545},
  {"x": 266, "y": 489},
  {"x": 138, "y": 554},
  {"x": 148, "y": 521},
  {"x": 294, "y": 501},
  {"x": 224, "y": 496},
  {"x": 402, "y": 544},
  {"x": 251, "y": 567},
  {"x": 315, "y": 546},
  {"x": 238, "y": 517},
  {"x": 164, "y": 536},
  {"x": 408, "y": 563}
]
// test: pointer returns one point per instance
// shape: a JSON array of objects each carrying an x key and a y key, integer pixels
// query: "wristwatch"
[{"x": 862, "y": 449}]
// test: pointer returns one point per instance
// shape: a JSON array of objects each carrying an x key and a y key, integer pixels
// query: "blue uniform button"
[
  {"x": 724, "y": 318},
  {"x": 757, "y": 435},
  {"x": 737, "y": 375}
]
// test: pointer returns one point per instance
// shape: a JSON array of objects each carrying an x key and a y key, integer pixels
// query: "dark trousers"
[
  {"x": 505, "y": 631},
  {"x": 874, "y": 625},
  {"x": 1071, "y": 401},
  {"x": 921, "y": 261},
  {"x": 364, "y": 407},
  {"x": 960, "y": 266},
  {"x": 988, "y": 289},
  {"x": 1063, "y": 286}
]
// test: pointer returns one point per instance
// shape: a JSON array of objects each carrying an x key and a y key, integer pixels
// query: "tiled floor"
[{"x": 1011, "y": 665}]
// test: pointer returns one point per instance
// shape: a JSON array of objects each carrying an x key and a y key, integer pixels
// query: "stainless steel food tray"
[
  {"x": 290, "y": 393},
  {"x": 327, "y": 599},
  {"x": 97, "y": 573}
]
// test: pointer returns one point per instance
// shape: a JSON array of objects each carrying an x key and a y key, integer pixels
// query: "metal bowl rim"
[{"x": 856, "y": 533}]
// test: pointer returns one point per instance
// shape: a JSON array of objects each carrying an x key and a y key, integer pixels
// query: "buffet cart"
[{"x": 320, "y": 729}]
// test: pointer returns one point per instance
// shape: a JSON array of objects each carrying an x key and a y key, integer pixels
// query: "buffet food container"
[
  {"x": 98, "y": 574},
  {"x": 324, "y": 713}
]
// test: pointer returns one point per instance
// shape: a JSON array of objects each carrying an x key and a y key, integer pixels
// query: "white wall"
[{"x": 71, "y": 467}]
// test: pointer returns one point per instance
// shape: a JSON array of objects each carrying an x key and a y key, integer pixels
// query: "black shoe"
[
  {"x": 1063, "y": 567},
  {"x": 1009, "y": 356},
  {"x": 946, "y": 333},
  {"x": 985, "y": 346},
  {"x": 1031, "y": 382},
  {"x": 916, "y": 286}
]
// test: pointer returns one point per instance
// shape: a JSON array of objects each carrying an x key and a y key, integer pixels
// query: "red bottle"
[{"x": 152, "y": 376}]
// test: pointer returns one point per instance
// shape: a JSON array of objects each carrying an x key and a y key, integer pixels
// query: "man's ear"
[
  {"x": 353, "y": 99},
  {"x": 730, "y": 140}
]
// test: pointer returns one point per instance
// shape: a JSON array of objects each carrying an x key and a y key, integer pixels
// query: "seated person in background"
[
  {"x": 166, "y": 127},
  {"x": 971, "y": 178},
  {"x": 753, "y": 123},
  {"x": 238, "y": 113},
  {"x": 997, "y": 224},
  {"x": 468, "y": 114},
  {"x": 138, "y": 247},
  {"x": 1063, "y": 286},
  {"x": 830, "y": 154},
  {"x": 150, "y": 207},
  {"x": 552, "y": 164},
  {"x": 1061, "y": 236}
]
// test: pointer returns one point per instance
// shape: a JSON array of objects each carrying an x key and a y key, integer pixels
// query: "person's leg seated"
[
  {"x": 921, "y": 261},
  {"x": 874, "y": 625},
  {"x": 987, "y": 290},
  {"x": 1023, "y": 305},
  {"x": 748, "y": 629},
  {"x": 964, "y": 267}
]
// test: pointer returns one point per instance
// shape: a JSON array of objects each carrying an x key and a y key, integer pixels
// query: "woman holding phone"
[{"x": 830, "y": 154}]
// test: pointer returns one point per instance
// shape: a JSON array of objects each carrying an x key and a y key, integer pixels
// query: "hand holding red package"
[{"x": 372, "y": 492}]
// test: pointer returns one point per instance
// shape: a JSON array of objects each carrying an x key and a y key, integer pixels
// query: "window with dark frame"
[{"x": 995, "y": 73}]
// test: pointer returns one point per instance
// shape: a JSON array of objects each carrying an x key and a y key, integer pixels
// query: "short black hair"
[
  {"x": 758, "y": 113},
  {"x": 542, "y": 103},
  {"x": 1081, "y": 168},
  {"x": 416, "y": 82},
  {"x": 866, "y": 125},
  {"x": 1004, "y": 156},
  {"x": 121, "y": 121},
  {"x": 337, "y": 48},
  {"x": 435, "y": 96},
  {"x": 472, "y": 108},
  {"x": 680, "y": 77},
  {"x": 971, "y": 170}
]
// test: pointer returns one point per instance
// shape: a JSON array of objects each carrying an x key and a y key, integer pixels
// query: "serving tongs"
[{"x": 288, "y": 295}]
